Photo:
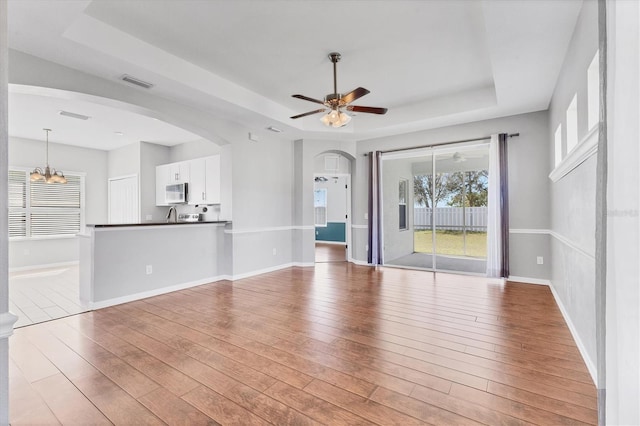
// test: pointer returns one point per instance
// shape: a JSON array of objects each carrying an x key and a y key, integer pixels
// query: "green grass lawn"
[{"x": 451, "y": 242}]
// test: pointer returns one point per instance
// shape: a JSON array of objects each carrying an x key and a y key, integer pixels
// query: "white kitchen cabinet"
[
  {"x": 197, "y": 181},
  {"x": 204, "y": 182},
  {"x": 202, "y": 175},
  {"x": 179, "y": 172}
]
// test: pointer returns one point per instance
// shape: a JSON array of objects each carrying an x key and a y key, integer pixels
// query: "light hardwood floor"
[{"x": 334, "y": 344}]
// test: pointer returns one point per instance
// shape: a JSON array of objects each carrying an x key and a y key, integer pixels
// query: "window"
[
  {"x": 572, "y": 124},
  {"x": 403, "y": 191},
  {"x": 320, "y": 205},
  {"x": 38, "y": 209},
  {"x": 558, "y": 144},
  {"x": 593, "y": 92}
]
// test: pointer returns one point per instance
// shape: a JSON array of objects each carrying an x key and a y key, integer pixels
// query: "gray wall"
[
  {"x": 261, "y": 199},
  {"x": 151, "y": 155},
  {"x": 29, "y": 153},
  {"x": 528, "y": 182},
  {"x": 124, "y": 161},
  {"x": 191, "y": 150},
  {"x": 573, "y": 196}
]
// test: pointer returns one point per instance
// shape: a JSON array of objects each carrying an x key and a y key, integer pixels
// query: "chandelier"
[{"x": 48, "y": 174}]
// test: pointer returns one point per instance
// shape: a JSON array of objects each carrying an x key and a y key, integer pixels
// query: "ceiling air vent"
[
  {"x": 137, "y": 82},
  {"x": 74, "y": 115}
]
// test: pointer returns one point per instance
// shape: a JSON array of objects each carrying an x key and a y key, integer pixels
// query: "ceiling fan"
[{"x": 335, "y": 102}]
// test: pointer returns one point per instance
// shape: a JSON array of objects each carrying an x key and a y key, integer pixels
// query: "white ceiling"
[{"x": 432, "y": 63}]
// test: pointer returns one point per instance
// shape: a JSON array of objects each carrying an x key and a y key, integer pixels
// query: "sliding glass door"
[{"x": 434, "y": 212}]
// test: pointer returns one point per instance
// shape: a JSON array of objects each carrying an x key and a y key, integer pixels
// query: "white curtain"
[{"x": 494, "y": 220}]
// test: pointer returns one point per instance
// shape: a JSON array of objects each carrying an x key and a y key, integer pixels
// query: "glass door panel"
[
  {"x": 435, "y": 209},
  {"x": 460, "y": 218}
]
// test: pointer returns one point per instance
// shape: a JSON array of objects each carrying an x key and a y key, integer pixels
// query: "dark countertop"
[{"x": 120, "y": 225}]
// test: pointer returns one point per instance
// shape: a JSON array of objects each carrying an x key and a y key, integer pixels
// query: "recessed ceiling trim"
[{"x": 136, "y": 81}]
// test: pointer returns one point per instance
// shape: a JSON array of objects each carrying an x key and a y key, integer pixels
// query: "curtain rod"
[{"x": 442, "y": 144}]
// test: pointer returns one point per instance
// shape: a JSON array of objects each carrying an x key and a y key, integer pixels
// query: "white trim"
[
  {"x": 527, "y": 280},
  {"x": 529, "y": 231},
  {"x": 342, "y": 243},
  {"x": 269, "y": 229},
  {"x": 151, "y": 293},
  {"x": 44, "y": 237},
  {"x": 585, "y": 149},
  {"x": 359, "y": 226},
  {"x": 7, "y": 319},
  {"x": 572, "y": 245},
  {"x": 270, "y": 269},
  {"x": 45, "y": 266},
  {"x": 583, "y": 351},
  {"x": 360, "y": 262},
  {"x": 564, "y": 240}
]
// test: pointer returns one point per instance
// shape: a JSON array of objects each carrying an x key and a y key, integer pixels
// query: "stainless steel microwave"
[{"x": 176, "y": 193}]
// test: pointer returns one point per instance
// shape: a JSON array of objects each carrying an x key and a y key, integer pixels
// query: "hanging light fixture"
[
  {"x": 335, "y": 118},
  {"x": 49, "y": 175}
]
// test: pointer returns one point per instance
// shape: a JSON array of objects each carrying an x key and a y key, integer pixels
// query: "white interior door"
[{"x": 124, "y": 201}]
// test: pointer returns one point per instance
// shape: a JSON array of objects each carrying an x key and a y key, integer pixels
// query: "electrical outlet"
[
  {"x": 149, "y": 269},
  {"x": 274, "y": 251},
  {"x": 540, "y": 260},
  {"x": 149, "y": 217},
  {"x": 366, "y": 247},
  {"x": 366, "y": 216}
]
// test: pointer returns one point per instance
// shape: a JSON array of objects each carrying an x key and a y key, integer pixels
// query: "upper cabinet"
[
  {"x": 204, "y": 185},
  {"x": 179, "y": 172},
  {"x": 202, "y": 175}
]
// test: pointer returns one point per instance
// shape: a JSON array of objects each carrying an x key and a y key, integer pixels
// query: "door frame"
[{"x": 347, "y": 225}]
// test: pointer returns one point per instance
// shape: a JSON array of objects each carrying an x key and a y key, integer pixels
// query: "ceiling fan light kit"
[
  {"x": 48, "y": 174},
  {"x": 336, "y": 102}
]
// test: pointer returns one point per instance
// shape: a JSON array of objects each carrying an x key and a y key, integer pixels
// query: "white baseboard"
[
  {"x": 591, "y": 366},
  {"x": 527, "y": 280},
  {"x": 360, "y": 262},
  {"x": 44, "y": 266},
  {"x": 341, "y": 243},
  {"x": 269, "y": 269},
  {"x": 145, "y": 294}
]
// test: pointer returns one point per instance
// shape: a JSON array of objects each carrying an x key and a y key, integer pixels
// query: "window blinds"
[{"x": 40, "y": 209}]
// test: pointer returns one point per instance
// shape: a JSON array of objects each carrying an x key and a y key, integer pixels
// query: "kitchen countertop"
[{"x": 120, "y": 225}]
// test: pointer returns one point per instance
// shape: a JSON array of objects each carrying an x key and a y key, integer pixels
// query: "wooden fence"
[{"x": 451, "y": 218}]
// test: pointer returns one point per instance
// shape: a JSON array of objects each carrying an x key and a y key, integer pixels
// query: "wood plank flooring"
[
  {"x": 327, "y": 252},
  {"x": 334, "y": 344}
]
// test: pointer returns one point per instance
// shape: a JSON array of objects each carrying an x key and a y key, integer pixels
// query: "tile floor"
[{"x": 40, "y": 295}]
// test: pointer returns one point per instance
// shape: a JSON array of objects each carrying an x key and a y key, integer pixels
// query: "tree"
[
  {"x": 473, "y": 186},
  {"x": 423, "y": 189}
]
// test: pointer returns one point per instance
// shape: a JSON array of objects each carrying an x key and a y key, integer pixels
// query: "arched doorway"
[{"x": 332, "y": 207}]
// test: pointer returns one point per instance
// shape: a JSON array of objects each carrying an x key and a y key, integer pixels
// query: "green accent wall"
[{"x": 334, "y": 231}]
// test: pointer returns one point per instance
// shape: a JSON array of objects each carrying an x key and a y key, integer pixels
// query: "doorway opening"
[
  {"x": 332, "y": 208},
  {"x": 434, "y": 208}
]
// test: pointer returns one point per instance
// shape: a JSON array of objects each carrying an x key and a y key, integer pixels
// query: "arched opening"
[{"x": 332, "y": 206}]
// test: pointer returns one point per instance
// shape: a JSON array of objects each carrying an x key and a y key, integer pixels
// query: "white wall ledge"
[{"x": 585, "y": 149}]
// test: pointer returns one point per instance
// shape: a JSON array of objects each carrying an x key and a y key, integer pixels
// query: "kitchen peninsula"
[{"x": 124, "y": 262}]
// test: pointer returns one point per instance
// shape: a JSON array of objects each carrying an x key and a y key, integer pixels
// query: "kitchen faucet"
[{"x": 175, "y": 214}]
